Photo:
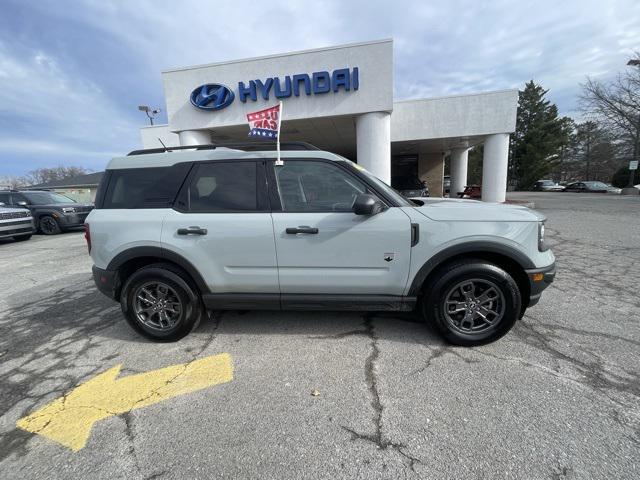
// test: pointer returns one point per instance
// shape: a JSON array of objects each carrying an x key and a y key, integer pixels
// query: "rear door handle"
[
  {"x": 302, "y": 229},
  {"x": 192, "y": 231}
]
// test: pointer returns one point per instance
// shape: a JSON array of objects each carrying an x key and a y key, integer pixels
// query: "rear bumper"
[
  {"x": 107, "y": 281},
  {"x": 539, "y": 279}
]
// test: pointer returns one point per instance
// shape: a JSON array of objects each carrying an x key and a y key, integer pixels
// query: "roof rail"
[{"x": 246, "y": 146}]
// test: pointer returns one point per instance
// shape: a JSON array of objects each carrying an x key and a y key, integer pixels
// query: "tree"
[
  {"x": 46, "y": 175},
  {"x": 594, "y": 152},
  {"x": 539, "y": 136},
  {"x": 12, "y": 182},
  {"x": 616, "y": 105}
]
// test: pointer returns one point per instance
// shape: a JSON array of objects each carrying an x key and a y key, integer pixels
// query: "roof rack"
[{"x": 246, "y": 146}]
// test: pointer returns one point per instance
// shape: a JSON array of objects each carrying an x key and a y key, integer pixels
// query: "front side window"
[
  {"x": 310, "y": 186},
  {"x": 224, "y": 187}
]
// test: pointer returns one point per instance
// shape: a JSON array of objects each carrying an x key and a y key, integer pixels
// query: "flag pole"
[{"x": 279, "y": 160}]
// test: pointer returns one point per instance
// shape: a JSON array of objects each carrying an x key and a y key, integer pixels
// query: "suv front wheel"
[
  {"x": 472, "y": 302},
  {"x": 160, "y": 304}
]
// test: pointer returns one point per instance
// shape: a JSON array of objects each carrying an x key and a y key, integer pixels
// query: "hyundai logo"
[{"x": 212, "y": 96}]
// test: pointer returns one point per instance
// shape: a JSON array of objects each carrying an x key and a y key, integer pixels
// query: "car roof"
[{"x": 168, "y": 158}]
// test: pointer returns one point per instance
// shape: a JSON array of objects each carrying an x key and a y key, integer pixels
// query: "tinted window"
[
  {"x": 4, "y": 198},
  {"x": 144, "y": 187},
  {"x": 223, "y": 187},
  {"x": 307, "y": 186},
  {"x": 43, "y": 198}
]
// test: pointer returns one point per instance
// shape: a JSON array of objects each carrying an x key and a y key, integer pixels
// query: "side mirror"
[
  {"x": 22, "y": 204},
  {"x": 1, "y": 204},
  {"x": 366, "y": 204}
]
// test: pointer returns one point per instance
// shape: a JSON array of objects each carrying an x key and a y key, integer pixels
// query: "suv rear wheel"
[
  {"x": 472, "y": 302},
  {"x": 160, "y": 304}
]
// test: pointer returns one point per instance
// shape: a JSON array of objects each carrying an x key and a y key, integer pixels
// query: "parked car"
[
  {"x": 410, "y": 186},
  {"x": 587, "y": 186},
  {"x": 52, "y": 211},
  {"x": 16, "y": 223},
  {"x": 547, "y": 186},
  {"x": 446, "y": 185},
  {"x": 176, "y": 233}
]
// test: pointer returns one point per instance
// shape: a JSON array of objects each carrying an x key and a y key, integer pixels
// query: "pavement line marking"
[{"x": 68, "y": 420}]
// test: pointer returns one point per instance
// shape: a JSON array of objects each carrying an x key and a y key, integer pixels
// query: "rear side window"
[
  {"x": 144, "y": 187},
  {"x": 222, "y": 187}
]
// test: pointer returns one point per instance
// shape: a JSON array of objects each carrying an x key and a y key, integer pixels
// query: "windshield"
[
  {"x": 596, "y": 184},
  {"x": 47, "y": 198},
  {"x": 390, "y": 192},
  {"x": 547, "y": 182}
]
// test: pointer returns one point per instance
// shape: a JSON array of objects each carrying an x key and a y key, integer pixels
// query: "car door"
[
  {"x": 221, "y": 224},
  {"x": 322, "y": 246}
]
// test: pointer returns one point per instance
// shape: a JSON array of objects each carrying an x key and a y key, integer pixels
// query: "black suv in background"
[
  {"x": 410, "y": 186},
  {"x": 52, "y": 212}
]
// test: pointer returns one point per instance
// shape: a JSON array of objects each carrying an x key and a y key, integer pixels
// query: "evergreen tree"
[{"x": 538, "y": 139}]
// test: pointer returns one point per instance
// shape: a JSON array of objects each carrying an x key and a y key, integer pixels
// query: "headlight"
[
  {"x": 541, "y": 245},
  {"x": 68, "y": 209}
]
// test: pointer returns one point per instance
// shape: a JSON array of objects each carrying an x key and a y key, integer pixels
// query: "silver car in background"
[{"x": 16, "y": 223}]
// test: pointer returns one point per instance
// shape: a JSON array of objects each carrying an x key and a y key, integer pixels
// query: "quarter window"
[
  {"x": 310, "y": 186},
  {"x": 224, "y": 187}
]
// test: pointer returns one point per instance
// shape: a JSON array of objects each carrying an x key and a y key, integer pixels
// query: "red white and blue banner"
[{"x": 265, "y": 123}]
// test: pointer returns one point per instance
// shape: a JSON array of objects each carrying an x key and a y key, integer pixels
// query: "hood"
[
  {"x": 14, "y": 210},
  {"x": 449, "y": 209},
  {"x": 65, "y": 205}
]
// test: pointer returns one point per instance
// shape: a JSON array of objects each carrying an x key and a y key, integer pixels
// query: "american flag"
[{"x": 264, "y": 123}]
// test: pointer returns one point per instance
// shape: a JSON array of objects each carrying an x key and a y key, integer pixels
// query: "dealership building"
[{"x": 341, "y": 100}]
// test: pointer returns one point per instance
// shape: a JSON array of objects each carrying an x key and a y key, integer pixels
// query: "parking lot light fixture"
[{"x": 151, "y": 112}]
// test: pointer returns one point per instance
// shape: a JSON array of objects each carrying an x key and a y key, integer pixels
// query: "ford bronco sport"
[{"x": 179, "y": 232}]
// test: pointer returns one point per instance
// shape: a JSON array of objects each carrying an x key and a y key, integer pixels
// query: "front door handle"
[
  {"x": 302, "y": 229},
  {"x": 192, "y": 231}
]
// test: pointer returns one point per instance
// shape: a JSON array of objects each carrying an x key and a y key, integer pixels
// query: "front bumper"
[
  {"x": 539, "y": 279},
  {"x": 107, "y": 281},
  {"x": 16, "y": 227}
]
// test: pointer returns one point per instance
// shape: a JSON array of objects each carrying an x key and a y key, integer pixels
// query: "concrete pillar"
[
  {"x": 459, "y": 164},
  {"x": 494, "y": 167},
  {"x": 373, "y": 143},
  {"x": 194, "y": 137},
  {"x": 431, "y": 171}
]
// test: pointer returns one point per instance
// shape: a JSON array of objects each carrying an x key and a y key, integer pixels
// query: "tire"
[
  {"x": 470, "y": 319},
  {"x": 21, "y": 238},
  {"x": 48, "y": 225},
  {"x": 182, "y": 311}
]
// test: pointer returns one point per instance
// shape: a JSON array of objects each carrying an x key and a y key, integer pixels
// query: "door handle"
[
  {"x": 192, "y": 231},
  {"x": 302, "y": 229}
]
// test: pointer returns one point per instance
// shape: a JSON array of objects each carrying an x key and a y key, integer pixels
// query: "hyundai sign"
[{"x": 214, "y": 96}]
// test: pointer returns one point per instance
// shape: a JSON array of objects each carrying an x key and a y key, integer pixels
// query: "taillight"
[{"x": 87, "y": 236}]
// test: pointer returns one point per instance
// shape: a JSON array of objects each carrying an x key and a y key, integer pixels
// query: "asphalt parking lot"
[{"x": 559, "y": 397}]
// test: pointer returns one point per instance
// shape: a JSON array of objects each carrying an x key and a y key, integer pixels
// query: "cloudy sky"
[{"x": 73, "y": 72}]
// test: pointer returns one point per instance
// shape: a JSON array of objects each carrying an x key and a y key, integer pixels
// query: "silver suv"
[
  {"x": 176, "y": 233},
  {"x": 16, "y": 223}
]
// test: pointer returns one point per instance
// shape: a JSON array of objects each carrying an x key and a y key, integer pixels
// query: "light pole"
[
  {"x": 151, "y": 112},
  {"x": 634, "y": 62}
]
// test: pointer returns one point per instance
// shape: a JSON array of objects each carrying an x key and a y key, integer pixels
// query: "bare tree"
[
  {"x": 45, "y": 175},
  {"x": 616, "y": 105},
  {"x": 12, "y": 182}
]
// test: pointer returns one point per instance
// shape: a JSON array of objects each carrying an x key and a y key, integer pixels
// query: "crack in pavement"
[{"x": 377, "y": 438}]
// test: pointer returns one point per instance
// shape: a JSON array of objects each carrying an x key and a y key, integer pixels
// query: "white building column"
[
  {"x": 373, "y": 143},
  {"x": 459, "y": 166},
  {"x": 194, "y": 137},
  {"x": 494, "y": 167}
]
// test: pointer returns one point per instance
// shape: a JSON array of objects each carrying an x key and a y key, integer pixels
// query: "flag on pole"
[{"x": 265, "y": 123}]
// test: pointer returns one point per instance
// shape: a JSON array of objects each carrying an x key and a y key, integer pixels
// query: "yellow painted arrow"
[{"x": 68, "y": 420}]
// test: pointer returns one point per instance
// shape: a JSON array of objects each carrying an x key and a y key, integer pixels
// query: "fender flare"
[
  {"x": 139, "y": 252},
  {"x": 477, "y": 247}
]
